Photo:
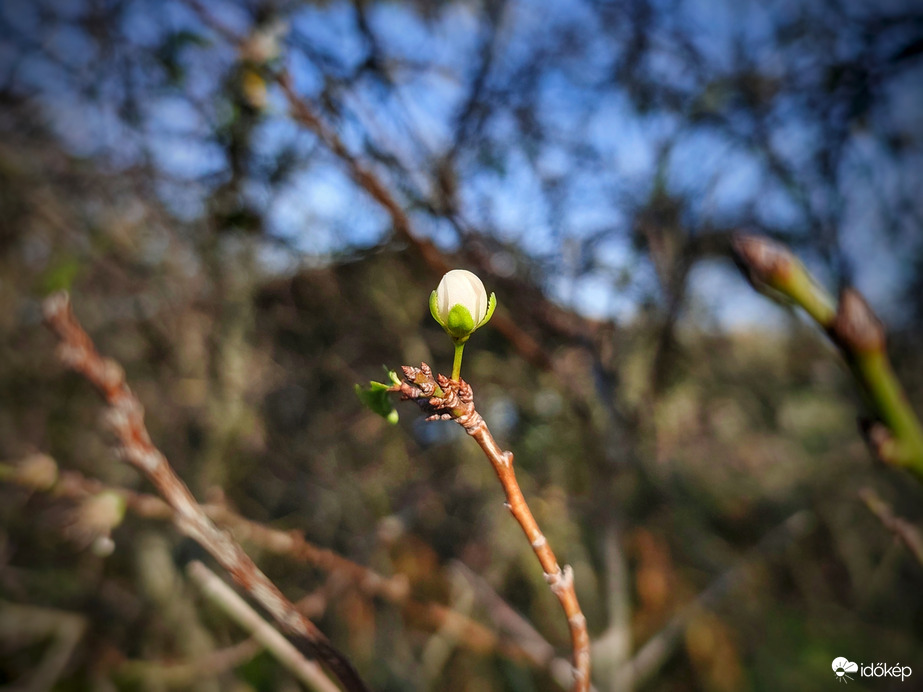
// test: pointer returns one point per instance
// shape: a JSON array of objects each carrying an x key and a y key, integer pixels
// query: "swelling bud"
[{"x": 460, "y": 305}]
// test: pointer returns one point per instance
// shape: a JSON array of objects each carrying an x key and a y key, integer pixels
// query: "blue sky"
[{"x": 321, "y": 212}]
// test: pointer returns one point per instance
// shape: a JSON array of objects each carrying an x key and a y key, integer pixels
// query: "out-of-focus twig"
[
  {"x": 440, "y": 646},
  {"x": 539, "y": 651},
  {"x": 855, "y": 328},
  {"x": 903, "y": 530},
  {"x": 446, "y": 399},
  {"x": 185, "y": 674},
  {"x": 612, "y": 649},
  {"x": 23, "y": 625},
  {"x": 219, "y": 593},
  {"x": 125, "y": 416},
  {"x": 306, "y": 115}
]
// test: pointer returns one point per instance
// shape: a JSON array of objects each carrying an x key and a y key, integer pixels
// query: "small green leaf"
[
  {"x": 460, "y": 323},
  {"x": 491, "y": 306},
  {"x": 392, "y": 375},
  {"x": 434, "y": 307},
  {"x": 377, "y": 399}
]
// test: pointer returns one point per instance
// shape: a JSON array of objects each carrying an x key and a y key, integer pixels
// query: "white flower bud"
[{"x": 460, "y": 304}]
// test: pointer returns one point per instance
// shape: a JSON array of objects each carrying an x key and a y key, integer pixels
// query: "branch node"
[{"x": 562, "y": 581}]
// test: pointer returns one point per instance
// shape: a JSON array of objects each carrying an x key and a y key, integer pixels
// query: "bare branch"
[
  {"x": 126, "y": 418},
  {"x": 184, "y": 674},
  {"x": 455, "y": 401},
  {"x": 24, "y": 625}
]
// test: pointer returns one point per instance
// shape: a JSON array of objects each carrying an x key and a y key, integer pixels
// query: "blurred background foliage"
[{"x": 689, "y": 448}]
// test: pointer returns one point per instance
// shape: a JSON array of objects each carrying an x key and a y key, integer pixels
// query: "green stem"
[
  {"x": 456, "y": 365},
  {"x": 892, "y": 406},
  {"x": 802, "y": 288}
]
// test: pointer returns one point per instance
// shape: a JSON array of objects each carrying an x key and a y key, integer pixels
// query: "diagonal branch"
[
  {"x": 446, "y": 399},
  {"x": 126, "y": 417}
]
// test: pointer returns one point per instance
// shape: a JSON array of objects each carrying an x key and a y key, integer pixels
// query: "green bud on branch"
[
  {"x": 773, "y": 270},
  {"x": 460, "y": 305}
]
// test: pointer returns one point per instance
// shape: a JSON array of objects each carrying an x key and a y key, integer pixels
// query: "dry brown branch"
[
  {"x": 40, "y": 473},
  {"x": 903, "y": 530},
  {"x": 304, "y": 113},
  {"x": 446, "y": 399},
  {"x": 238, "y": 610},
  {"x": 125, "y": 416}
]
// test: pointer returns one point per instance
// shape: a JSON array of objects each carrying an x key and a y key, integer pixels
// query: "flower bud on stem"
[{"x": 460, "y": 305}]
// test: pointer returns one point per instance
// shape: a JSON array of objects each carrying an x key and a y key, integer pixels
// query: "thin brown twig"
[
  {"x": 125, "y": 416},
  {"x": 540, "y": 652},
  {"x": 455, "y": 401},
  {"x": 903, "y": 530},
  {"x": 560, "y": 580}
]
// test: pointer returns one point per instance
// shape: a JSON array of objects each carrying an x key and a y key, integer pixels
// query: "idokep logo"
[{"x": 842, "y": 667}]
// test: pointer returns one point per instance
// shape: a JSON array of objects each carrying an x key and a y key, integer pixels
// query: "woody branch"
[
  {"x": 125, "y": 415},
  {"x": 446, "y": 399}
]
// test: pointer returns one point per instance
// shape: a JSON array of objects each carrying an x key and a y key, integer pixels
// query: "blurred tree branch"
[
  {"x": 40, "y": 473},
  {"x": 126, "y": 418}
]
